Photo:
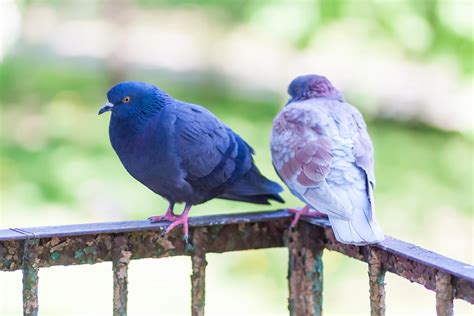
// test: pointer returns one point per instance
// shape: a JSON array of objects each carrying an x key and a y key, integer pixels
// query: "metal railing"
[{"x": 34, "y": 248}]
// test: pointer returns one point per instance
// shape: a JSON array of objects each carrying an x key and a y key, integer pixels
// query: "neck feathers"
[
  {"x": 322, "y": 88},
  {"x": 157, "y": 101}
]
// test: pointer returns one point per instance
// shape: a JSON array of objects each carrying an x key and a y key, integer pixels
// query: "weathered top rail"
[
  {"x": 32, "y": 248},
  {"x": 135, "y": 226},
  {"x": 390, "y": 245},
  {"x": 401, "y": 249}
]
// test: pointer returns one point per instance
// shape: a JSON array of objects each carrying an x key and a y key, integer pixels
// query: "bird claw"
[
  {"x": 175, "y": 221},
  {"x": 293, "y": 210},
  {"x": 305, "y": 211},
  {"x": 188, "y": 243},
  {"x": 296, "y": 219},
  {"x": 163, "y": 233}
]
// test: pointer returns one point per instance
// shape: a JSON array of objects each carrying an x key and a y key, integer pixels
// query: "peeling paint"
[
  {"x": 305, "y": 272},
  {"x": 30, "y": 277},
  {"x": 198, "y": 276},
  {"x": 121, "y": 256},
  {"x": 224, "y": 234},
  {"x": 444, "y": 295},
  {"x": 376, "y": 283},
  {"x": 55, "y": 255},
  {"x": 78, "y": 253}
]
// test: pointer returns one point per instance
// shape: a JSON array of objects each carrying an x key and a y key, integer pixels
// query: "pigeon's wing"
[
  {"x": 301, "y": 154},
  {"x": 364, "y": 154},
  {"x": 353, "y": 131},
  {"x": 209, "y": 150}
]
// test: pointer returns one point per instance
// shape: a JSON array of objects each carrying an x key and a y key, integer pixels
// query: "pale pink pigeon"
[{"x": 322, "y": 151}]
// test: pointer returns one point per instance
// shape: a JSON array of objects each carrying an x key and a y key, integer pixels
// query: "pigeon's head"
[
  {"x": 312, "y": 86},
  {"x": 131, "y": 98}
]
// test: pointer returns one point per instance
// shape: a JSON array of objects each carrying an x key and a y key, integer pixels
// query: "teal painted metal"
[
  {"x": 30, "y": 277},
  {"x": 55, "y": 256},
  {"x": 317, "y": 277},
  {"x": 376, "y": 283},
  {"x": 32, "y": 248},
  {"x": 305, "y": 271}
]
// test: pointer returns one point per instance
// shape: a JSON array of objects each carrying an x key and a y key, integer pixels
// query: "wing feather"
[
  {"x": 301, "y": 154},
  {"x": 205, "y": 146},
  {"x": 364, "y": 157}
]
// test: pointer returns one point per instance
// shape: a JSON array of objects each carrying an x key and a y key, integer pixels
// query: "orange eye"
[{"x": 126, "y": 99}]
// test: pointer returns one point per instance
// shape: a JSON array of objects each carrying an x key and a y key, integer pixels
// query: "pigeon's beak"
[
  {"x": 289, "y": 101},
  {"x": 107, "y": 107}
]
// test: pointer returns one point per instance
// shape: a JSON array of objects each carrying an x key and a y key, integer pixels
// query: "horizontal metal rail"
[{"x": 30, "y": 249}]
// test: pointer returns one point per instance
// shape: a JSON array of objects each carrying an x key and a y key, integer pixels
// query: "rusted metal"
[
  {"x": 407, "y": 260},
  {"x": 305, "y": 271},
  {"x": 241, "y": 234},
  {"x": 120, "y": 260},
  {"x": 93, "y": 243},
  {"x": 30, "y": 277},
  {"x": 444, "y": 294},
  {"x": 138, "y": 226},
  {"x": 198, "y": 276},
  {"x": 11, "y": 255},
  {"x": 376, "y": 283}
]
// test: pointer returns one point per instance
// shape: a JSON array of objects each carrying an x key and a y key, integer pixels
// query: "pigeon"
[
  {"x": 181, "y": 151},
  {"x": 322, "y": 151}
]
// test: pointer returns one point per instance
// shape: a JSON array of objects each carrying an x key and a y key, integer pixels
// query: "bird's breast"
[{"x": 141, "y": 150}]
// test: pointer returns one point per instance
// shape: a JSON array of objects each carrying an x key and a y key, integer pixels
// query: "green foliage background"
[{"x": 58, "y": 167}]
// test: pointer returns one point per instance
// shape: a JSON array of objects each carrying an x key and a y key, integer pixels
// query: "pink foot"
[
  {"x": 160, "y": 218},
  {"x": 181, "y": 220},
  {"x": 306, "y": 211},
  {"x": 169, "y": 215},
  {"x": 293, "y": 210}
]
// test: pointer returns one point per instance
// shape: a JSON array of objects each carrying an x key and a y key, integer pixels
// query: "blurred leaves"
[
  {"x": 56, "y": 157},
  {"x": 425, "y": 28},
  {"x": 53, "y": 142}
]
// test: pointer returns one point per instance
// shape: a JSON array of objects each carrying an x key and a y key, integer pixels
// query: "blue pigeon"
[
  {"x": 181, "y": 151},
  {"x": 322, "y": 151}
]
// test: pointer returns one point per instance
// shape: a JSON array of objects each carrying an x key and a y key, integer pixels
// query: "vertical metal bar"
[
  {"x": 120, "y": 260},
  {"x": 444, "y": 294},
  {"x": 305, "y": 273},
  {"x": 30, "y": 277},
  {"x": 198, "y": 276},
  {"x": 376, "y": 283},
  {"x": 198, "y": 284}
]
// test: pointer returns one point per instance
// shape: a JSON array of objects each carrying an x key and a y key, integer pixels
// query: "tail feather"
[
  {"x": 360, "y": 230},
  {"x": 253, "y": 188},
  {"x": 256, "y": 199}
]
